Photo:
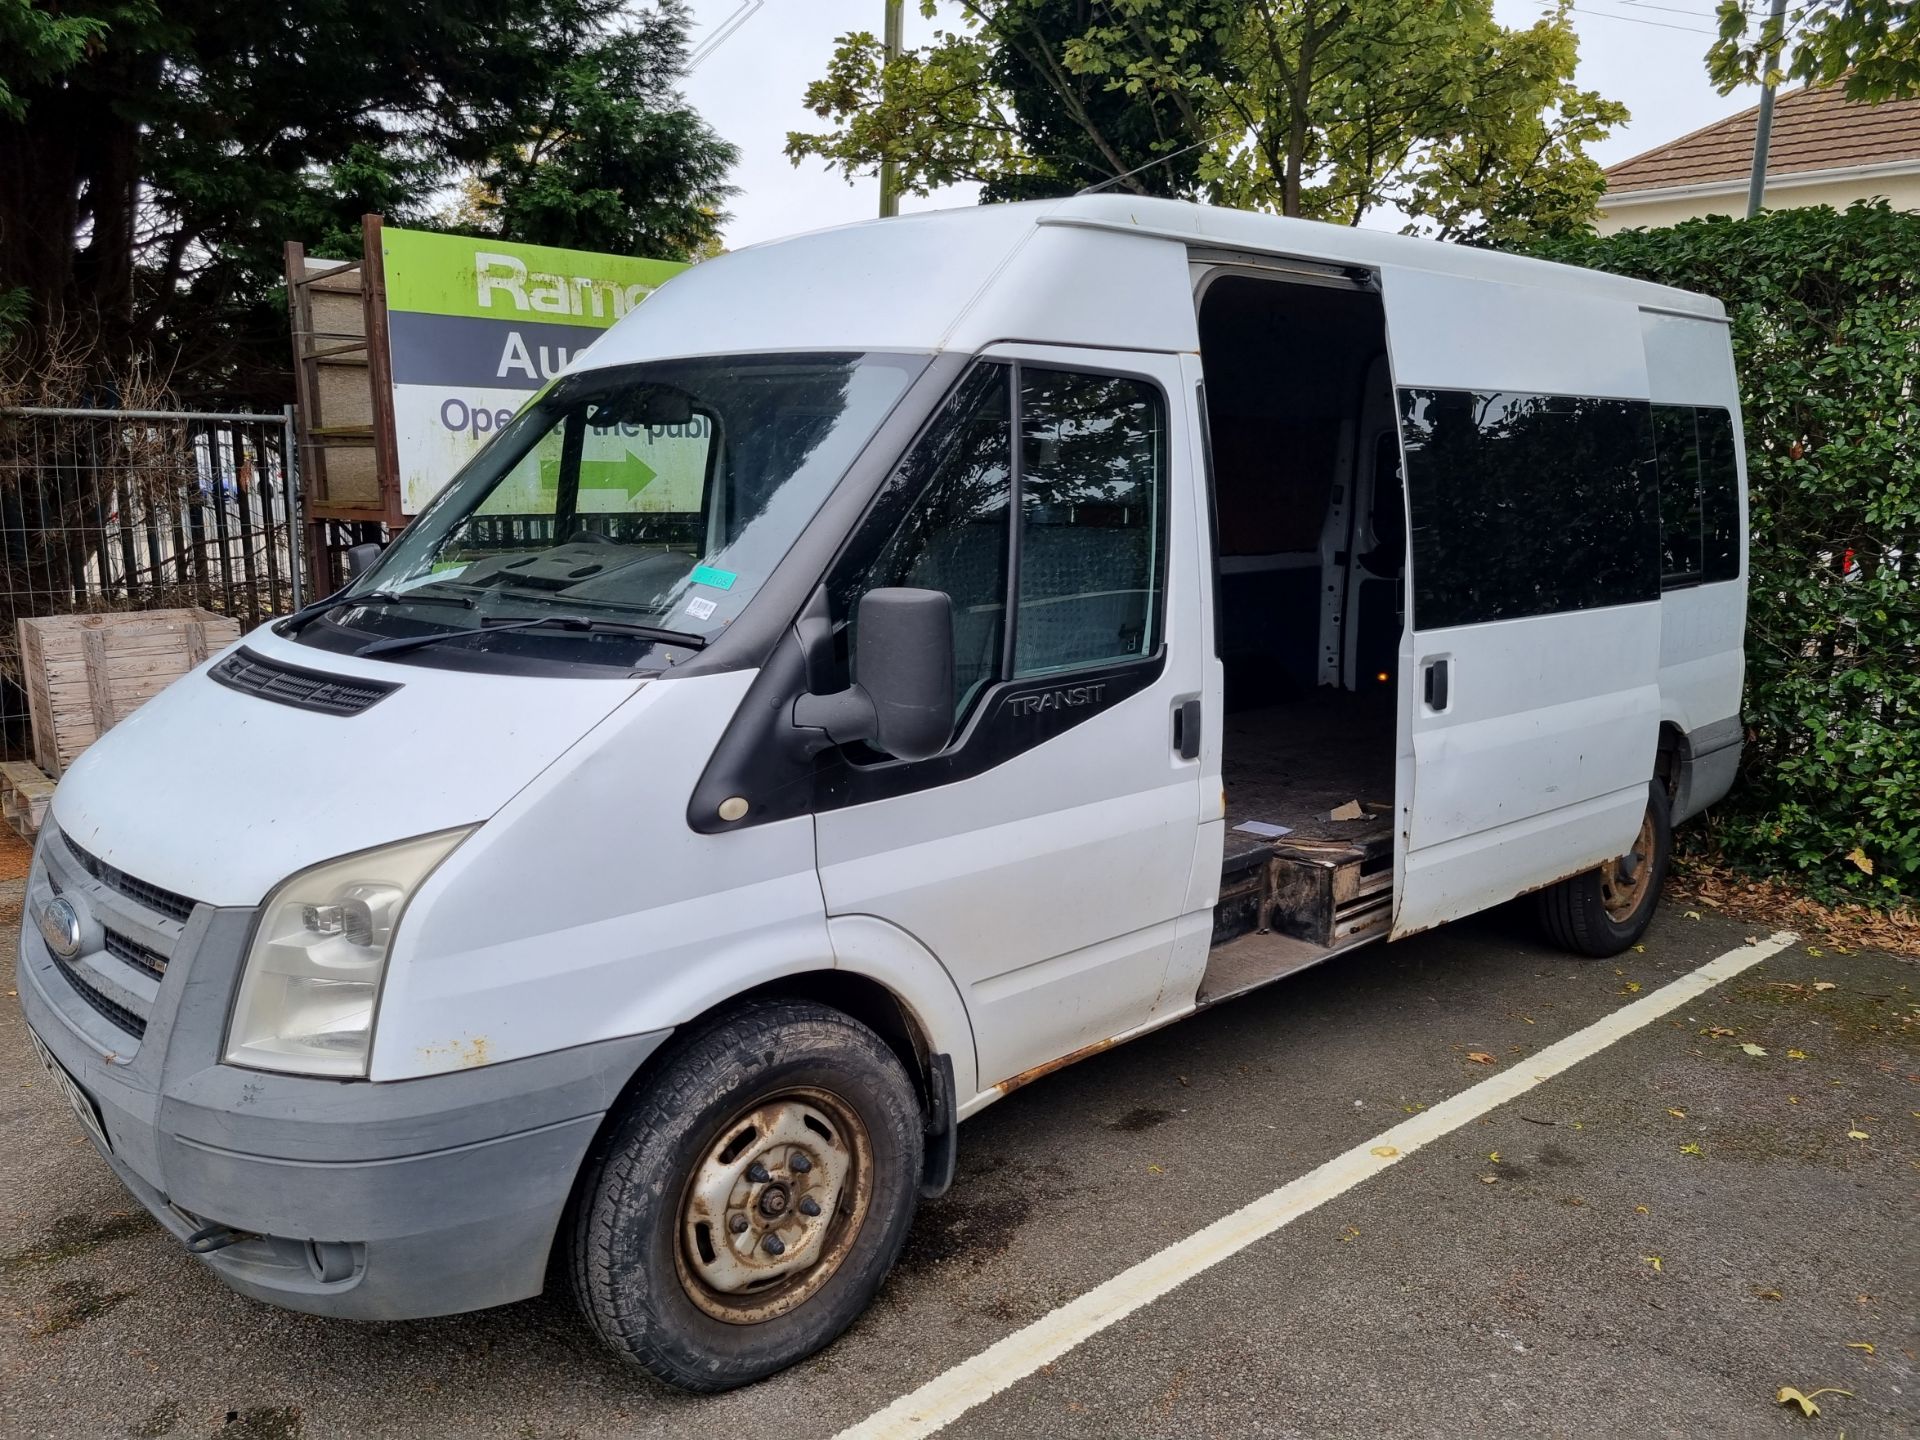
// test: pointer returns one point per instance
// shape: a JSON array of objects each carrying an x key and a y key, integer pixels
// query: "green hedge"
[{"x": 1825, "y": 308}]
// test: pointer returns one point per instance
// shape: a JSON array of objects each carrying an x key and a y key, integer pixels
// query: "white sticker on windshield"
[{"x": 701, "y": 609}]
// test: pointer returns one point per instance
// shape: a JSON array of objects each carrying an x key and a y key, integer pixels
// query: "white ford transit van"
[{"x": 894, "y": 662}]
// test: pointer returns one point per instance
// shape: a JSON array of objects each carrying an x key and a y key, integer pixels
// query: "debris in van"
[
  {"x": 1264, "y": 829},
  {"x": 1349, "y": 811}
]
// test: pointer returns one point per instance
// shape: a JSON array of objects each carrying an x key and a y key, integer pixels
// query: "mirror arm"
[{"x": 837, "y": 719}]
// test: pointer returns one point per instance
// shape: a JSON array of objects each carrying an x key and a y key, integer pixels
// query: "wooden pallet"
[{"x": 25, "y": 791}]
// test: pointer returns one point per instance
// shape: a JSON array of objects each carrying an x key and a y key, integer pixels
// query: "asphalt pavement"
[{"x": 1653, "y": 1242}]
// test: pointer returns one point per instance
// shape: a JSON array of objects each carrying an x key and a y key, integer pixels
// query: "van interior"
[{"x": 1311, "y": 564}]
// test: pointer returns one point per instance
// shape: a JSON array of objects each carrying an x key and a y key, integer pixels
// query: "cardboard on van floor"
[{"x": 1431, "y": 1300}]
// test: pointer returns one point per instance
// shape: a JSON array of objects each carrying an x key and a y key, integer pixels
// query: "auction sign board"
[{"x": 474, "y": 327}]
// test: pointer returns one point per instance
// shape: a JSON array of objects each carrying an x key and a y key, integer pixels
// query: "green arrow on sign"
[{"x": 629, "y": 476}]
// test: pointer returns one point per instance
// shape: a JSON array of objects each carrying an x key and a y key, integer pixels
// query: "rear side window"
[
  {"x": 1699, "y": 495},
  {"x": 1528, "y": 504},
  {"x": 1719, "y": 496}
]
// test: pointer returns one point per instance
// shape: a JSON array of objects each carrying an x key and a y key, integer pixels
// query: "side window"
[
  {"x": 1678, "y": 453},
  {"x": 958, "y": 484},
  {"x": 1527, "y": 504},
  {"x": 1092, "y": 502},
  {"x": 1719, "y": 496}
]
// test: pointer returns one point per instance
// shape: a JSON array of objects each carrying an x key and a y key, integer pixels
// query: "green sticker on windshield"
[{"x": 718, "y": 579}]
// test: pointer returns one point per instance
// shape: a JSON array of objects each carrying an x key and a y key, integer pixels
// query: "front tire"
[
  {"x": 1602, "y": 912},
  {"x": 747, "y": 1205}
]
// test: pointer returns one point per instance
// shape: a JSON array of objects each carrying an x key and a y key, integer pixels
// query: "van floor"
[{"x": 1289, "y": 764}]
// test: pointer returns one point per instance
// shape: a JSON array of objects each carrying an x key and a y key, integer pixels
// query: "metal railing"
[{"x": 104, "y": 509}]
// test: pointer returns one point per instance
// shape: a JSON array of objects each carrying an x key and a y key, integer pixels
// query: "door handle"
[
  {"x": 1186, "y": 728},
  {"x": 1435, "y": 684}
]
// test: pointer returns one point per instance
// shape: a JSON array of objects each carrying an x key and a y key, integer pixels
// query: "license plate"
[{"x": 87, "y": 1112}]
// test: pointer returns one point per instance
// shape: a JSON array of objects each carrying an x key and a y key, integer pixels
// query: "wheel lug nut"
[
  {"x": 799, "y": 1164},
  {"x": 738, "y": 1224},
  {"x": 809, "y": 1206},
  {"x": 773, "y": 1245},
  {"x": 757, "y": 1173}
]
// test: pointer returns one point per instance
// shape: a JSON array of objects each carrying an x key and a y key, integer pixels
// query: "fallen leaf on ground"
[
  {"x": 1770, "y": 1295},
  {"x": 1718, "y": 1032},
  {"x": 1858, "y": 1135},
  {"x": 1790, "y": 1396},
  {"x": 1690, "y": 1150},
  {"x": 1753, "y": 1049},
  {"x": 1351, "y": 1234},
  {"x": 1793, "y": 1099},
  {"x": 1815, "y": 950},
  {"x": 1796, "y": 1054},
  {"x": 1494, "y": 1156},
  {"x": 1156, "y": 1169},
  {"x": 1632, "y": 987},
  {"x": 1641, "y": 1210},
  {"x": 1639, "y": 949},
  {"x": 1481, "y": 1057},
  {"x": 1678, "y": 1114},
  {"x": 1860, "y": 1345},
  {"x": 1385, "y": 1152},
  {"x": 1691, "y": 914},
  {"x": 1489, "y": 1179},
  {"x": 1823, "y": 985},
  {"x": 1653, "y": 1260}
]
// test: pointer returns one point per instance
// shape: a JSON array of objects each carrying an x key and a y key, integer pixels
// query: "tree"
[
  {"x": 1871, "y": 46},
  {"x": 1325, "y": 108},
  {"x": 150, "y": 172}
]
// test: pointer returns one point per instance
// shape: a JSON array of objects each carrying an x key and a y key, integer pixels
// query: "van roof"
[{"x": 1097, "y": 270}]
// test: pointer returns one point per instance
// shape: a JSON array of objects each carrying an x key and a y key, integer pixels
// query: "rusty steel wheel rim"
[
  {"x": 1625, "y": 878},
  {"x": 773, "y": 1206}
]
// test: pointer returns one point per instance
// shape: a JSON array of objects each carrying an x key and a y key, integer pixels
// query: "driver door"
[{"x": 1044, "y": 856}]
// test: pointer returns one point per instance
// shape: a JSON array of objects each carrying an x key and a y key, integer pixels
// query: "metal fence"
[{"x": 142, "y": 510}]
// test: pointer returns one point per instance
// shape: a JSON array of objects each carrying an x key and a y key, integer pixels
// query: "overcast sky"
[{"x": 1646, "y": 53}]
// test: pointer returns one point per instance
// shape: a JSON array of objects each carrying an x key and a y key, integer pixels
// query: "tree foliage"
[
  {"x": 1825, "y": 310},
  {"x": 153, "y": 161},
  {"x": 1325, "y": 108},
  {"x": 1872, "y": 46}
]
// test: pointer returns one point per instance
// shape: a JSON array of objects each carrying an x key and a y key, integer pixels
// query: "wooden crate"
[
  {"x": 86, "y": 673},
  {"x": 24, "y": 793}
]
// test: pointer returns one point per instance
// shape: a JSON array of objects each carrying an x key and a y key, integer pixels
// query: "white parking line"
[{"x": 948, "y": 1396}]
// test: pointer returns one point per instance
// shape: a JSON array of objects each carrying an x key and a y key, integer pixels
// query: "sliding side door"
[{"x": 1530, "y": 705}]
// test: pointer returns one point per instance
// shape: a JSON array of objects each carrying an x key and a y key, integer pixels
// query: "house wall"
[{"x": 1902, "y": 190}]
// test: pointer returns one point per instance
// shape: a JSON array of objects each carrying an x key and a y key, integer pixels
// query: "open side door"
[{"x": 1528, "y": 675}]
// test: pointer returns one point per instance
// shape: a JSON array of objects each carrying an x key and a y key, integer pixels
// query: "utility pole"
[
  {"x": 1763, "y": 126},
  {"x": 889, "y": 169}
]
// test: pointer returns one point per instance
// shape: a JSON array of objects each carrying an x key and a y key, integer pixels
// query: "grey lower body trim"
[
  {"x": 368, "y": 1201},
  {"x": 1707, "y": 769}
]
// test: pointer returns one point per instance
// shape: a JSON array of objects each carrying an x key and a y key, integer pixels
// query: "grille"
[
  {"x": 148, "y": 961},
  {"x": 116, "y": 1012},
  {"x": 174, "y": 907},
  {"x": 303, "y": 689}
]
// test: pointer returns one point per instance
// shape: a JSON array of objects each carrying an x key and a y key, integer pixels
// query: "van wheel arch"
[{"x": 857, "y": 996}]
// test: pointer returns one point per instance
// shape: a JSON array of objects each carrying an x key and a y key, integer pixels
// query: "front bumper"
[{"x": 370, "y": 1201}]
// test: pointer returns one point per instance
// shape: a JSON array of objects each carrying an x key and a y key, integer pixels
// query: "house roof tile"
[{"x": 1813, "y": 129}]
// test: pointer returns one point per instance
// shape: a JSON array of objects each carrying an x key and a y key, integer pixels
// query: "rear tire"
[
  {"x": 1602, "y": 912},
  {"x": 782, "y": 1122}
]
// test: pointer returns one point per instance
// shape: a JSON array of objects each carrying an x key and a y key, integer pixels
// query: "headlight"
[{"x": 312, "y": 977}]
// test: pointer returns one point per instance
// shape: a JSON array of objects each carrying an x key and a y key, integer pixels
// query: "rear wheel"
[
  {"x": 749, "y": 1203},
  {"x": 1605, "y": 910}
]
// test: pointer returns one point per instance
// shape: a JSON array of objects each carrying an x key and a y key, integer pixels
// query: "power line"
[
  {"x": 722, "y": 33},
  {"x": 1635, "y": 20}
]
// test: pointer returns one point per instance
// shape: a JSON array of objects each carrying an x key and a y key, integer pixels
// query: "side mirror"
[
  {"x": 360, "y": 559},
  {"x": 903, "y": 700}
]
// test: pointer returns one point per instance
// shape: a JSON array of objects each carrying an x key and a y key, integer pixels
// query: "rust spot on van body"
[{"x": 1027, "y": 1077}]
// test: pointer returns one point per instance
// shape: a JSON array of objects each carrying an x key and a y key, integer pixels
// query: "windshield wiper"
[
  {"x": 374, "y": 597},
  {"x": 492, "y": 626}
]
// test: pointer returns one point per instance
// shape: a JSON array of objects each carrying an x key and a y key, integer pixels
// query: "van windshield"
[{"x": 656, "y": 496}]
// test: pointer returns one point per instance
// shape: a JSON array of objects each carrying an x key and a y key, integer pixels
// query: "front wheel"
[
  {"x": 1605, "y": 910},
  {"x": 746, "y": 1207}
]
